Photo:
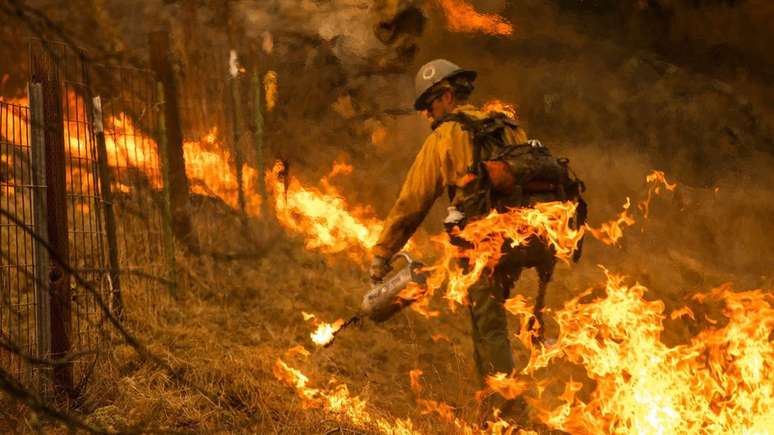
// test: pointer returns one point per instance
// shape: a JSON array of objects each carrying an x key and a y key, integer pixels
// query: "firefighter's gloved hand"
[{"x": 380, "y": 267}]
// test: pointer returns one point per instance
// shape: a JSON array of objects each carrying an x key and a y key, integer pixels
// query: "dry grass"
[
  {"x": 234, "y": 318},
  {"x": 615, "y": 114}
]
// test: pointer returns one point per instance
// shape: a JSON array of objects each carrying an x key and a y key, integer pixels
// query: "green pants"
[
  {"x": 491, "y": 345},
  {"x": 489, "y": 322}
]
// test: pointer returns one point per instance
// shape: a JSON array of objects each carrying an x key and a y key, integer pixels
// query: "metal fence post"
[
  {"x": 42, "y": 297},
  {"x": 116, "y": 299},
  {"x": 169, "y": 241},
  {"x": 46, "y": 72}
]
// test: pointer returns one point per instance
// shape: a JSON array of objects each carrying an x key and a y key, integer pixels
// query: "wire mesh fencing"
[
  {"x": 83, "y": 215},
  {"x": 130, "y": 119},
  {"x": 74, "y": 211},
  {"x": 17, "y": 255}
]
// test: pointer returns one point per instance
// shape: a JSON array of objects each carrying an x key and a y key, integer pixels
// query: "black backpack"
[{"x": 505, "y": 175}]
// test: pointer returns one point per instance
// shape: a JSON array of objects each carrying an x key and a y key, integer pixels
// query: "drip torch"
[{"x": 382, "y": 302}]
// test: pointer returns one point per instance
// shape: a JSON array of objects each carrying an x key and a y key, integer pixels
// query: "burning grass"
[
  {"x": 239, "y": 335},
  {"x": 236, "y": 318}
]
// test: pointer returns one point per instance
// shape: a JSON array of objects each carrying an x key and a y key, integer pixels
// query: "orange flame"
[
  {"x": 657, "y": 177},
  {"x": 462, "y": 17},
  {"x": 297, "y": 350},
  {"x": 338, "y": 400},
  {"x": 507, "y": 386},
  {"x": 682, "y": 312},
  {"x": 7, "y": 180},
  {"x": 128, "y": 147},
  {"x": 298, "y": 381},
  {"x": 415, "y": 292},
  {"x": 610, "y": 232},
  {"x": 323, "y": 218},
  {"x": 550, "y": 221},
  {"x": 270, "y": 90},
  {"x": 655, "y": 180},
  {"x": 440, "y": 337},
  {"x": 325, "y": 332},
  {"x": 720, "y": 382},
  {"x": 518, "y": 306},
  {"x": 416, "y": 385},
  {"x": 498, "y": 426},
  {"x": 445, "y": 411},
  {"x": 14, "y": 121},
  {"x": 208, "y": 166},
  {"x": 507, "y": 109}
]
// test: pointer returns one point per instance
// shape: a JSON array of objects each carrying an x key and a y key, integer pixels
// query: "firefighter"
[{"x": 442, "y": 90}]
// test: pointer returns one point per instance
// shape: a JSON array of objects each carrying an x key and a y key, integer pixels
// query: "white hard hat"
[{"x": 433, "y": 73}]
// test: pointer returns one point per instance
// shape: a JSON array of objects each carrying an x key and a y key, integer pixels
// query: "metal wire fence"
[
  {"x": 130, "y": 118},
  {"x": 17, "y": 260},
  {"x": 95, "y": 202},
  {"x": 66, "y": 77}
]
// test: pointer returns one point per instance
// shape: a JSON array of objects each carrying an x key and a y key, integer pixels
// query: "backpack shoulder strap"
[
  {"x": 491, "y": 125},
  {"x": 472, "y": 126},
  {"x": 466, "y": 121}
]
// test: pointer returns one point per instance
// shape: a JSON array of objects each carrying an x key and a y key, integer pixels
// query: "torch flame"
[{"x": 325, "y": 332}]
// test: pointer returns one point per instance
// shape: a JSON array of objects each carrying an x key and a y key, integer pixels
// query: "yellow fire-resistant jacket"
[{"x": 443, "y": 161}]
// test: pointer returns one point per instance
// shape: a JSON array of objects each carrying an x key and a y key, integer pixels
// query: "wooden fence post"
[
  {"x": 178, "y": 182},
  {"x": 169, "y": 242},
  {"x": 46, "y": 72},
  {"x": 257, "y": 86},
  {"x": 42, "y": 297},
  {"x": 116, "y": 300},
  {"x": 236, "y": 114}
]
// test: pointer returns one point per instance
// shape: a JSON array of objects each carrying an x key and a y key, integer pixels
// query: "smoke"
[
  {"x": 617, "y": 112},
  {"x": 588, "y": 77},
  {"x": 346, "y": 26}
]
